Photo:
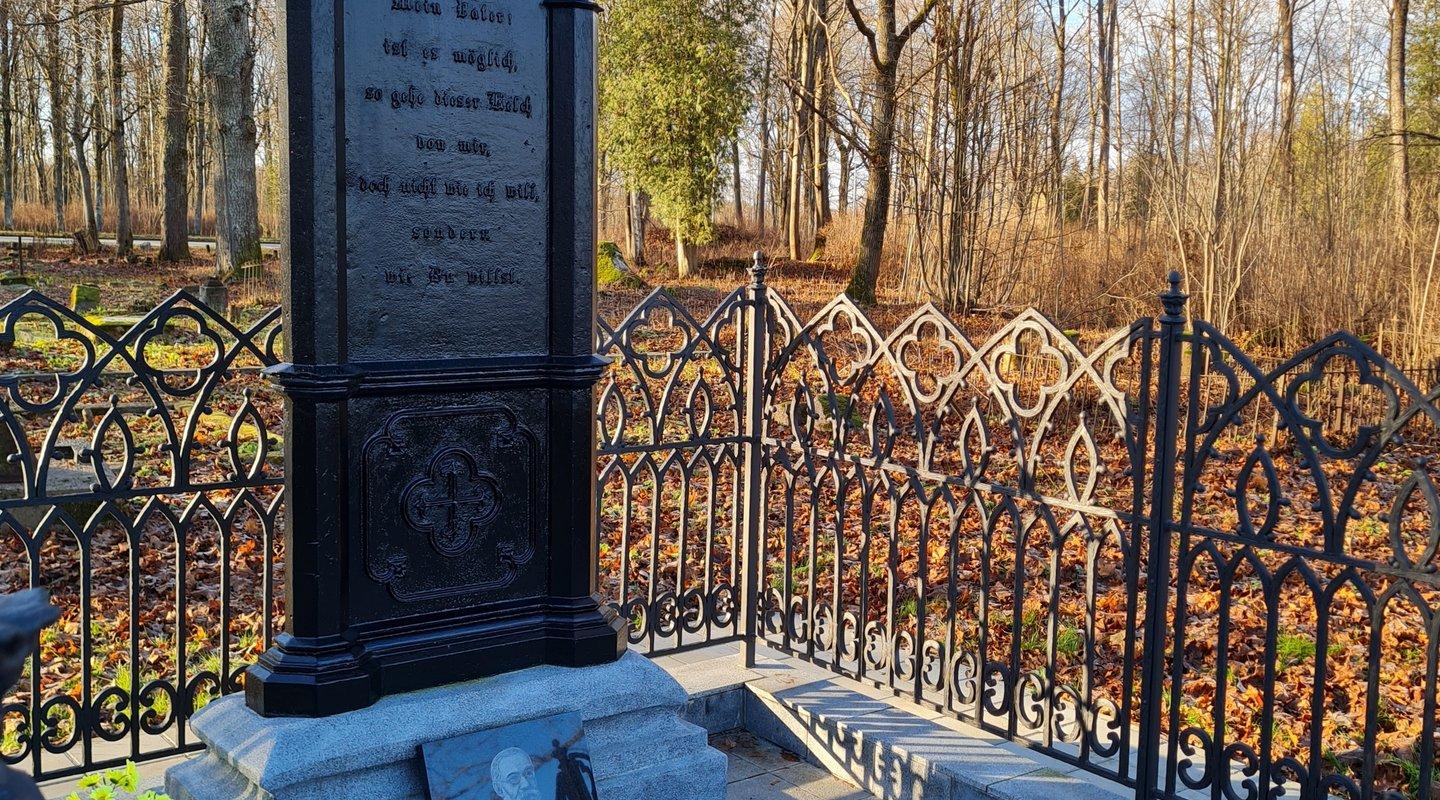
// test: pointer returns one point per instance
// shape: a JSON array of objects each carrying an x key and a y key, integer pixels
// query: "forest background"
[{"x": 984, "y": 154}]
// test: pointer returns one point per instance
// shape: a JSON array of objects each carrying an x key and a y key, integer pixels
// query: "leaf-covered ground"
[{"x": 1034, "y": 579}]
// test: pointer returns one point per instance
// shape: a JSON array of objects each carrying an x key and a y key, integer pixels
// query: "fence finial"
[
  {"x": 758, "y": 269},
  {"x": 1174, "y": 300}
]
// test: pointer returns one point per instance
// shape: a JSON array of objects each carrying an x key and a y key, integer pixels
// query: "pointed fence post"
[
  {"x": 757, "y": 354},
  {"x": 1162, "y": 513}
]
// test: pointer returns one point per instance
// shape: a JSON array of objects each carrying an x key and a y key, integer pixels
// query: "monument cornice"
[
  {"x": 356, "y": 379},
  {"x": 583, "y": 5}
]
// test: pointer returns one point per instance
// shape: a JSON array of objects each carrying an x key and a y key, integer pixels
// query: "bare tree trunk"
[
  {"x": 57, "y": 117},
  {"x": 174, "y": 223},
  {"x": 202, "y": 116},
  {"x": 762, "y": 173},
  {"x": 684, "y": 256},
  {"x": 98, "y": 124},
  {"x": 230, "y": 71},
  {"x": 1105, "y": 19},
  {"x": 820, "y": 140},
  {"x": 885, "y": 43},
  {"x": 880, "y": 149},
  {"x": 637, "y": 215},
  {"x": 1057, "y": 134},
  {"x": 735, "y": 162},
  {"x": 1285, "y": 17},
  {"x": 1399, "y": 138},
  {"x": 202, "y": 182},
  {"x": 124, "y": 236},
  {"x": 803, "y": 92},
  {"x": 89, "y": 236},
  {"x": 7, "y": 124}
]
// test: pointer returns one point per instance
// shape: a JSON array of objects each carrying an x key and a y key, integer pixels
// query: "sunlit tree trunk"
[
  {"x": 637, "y": 215},
  {"x": 174, "y": 222},
  {"x": 685, "y": 256},
  {"x": 1057, "y": 110},
  {"x": 230, "y": 72},
  {"x": 57, "y": 117},
  {"x": 880, "y": 150},
  {"x": 1285, "y": 22},
  {"x": 1399, "y": 137},
  {"x": 820, "y": 139},
  {"x": 7, "y": 115},
  {"x": 1105, "y": 26},
  {"x": 735, "y": 182},
  {"x": 120, "y": 180},
  {"x": 885, "y": 44}
]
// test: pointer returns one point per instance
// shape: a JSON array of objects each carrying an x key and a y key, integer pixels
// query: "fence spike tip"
[
  {"x": 758, "y": 268},
  {"x": 1174, "y": 299}
]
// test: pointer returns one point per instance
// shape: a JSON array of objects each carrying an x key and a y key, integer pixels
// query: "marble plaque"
[{"x": 539, "y": 759}]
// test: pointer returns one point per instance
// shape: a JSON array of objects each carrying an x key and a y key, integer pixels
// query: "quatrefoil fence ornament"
[
  {"x": 928, "y": 353},
  {"x": 452, "y": 501},
  {"x": 1346, "y": 365}
]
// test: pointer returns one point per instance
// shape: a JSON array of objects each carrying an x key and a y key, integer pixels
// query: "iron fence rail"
[{"x": 1189, "y": 571}]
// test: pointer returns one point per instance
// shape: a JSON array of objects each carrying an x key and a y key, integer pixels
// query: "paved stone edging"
[{"x": 891, "y": 748}]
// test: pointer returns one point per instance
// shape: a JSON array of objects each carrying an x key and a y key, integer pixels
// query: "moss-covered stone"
[
  {"x": 611, "y": 269},
  {"x": 84, "y": 297},
  {"x": 115, "y": 326}
]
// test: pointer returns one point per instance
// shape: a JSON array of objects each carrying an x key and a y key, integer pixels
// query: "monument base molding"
[
  {"x": 303, "y": 677},
  {"x": 640, "y": 747}
]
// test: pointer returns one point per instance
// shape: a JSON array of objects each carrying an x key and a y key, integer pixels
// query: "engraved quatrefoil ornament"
[{"x": 452, "y": 501}]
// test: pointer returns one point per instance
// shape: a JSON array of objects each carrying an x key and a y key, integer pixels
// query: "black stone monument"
[{"x": 439, "y": 426}]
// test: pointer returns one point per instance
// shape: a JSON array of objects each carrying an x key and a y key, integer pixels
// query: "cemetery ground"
[{"x": 127, "y": 290}]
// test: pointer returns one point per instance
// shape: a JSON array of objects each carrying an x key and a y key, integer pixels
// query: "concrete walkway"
[{"x": 761, "y": 770}]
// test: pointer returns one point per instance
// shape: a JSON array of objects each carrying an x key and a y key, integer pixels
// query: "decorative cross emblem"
[{"x": 451, "y": 501}]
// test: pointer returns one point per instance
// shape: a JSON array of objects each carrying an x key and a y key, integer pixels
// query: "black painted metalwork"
[
  {"x": 672, "y": 461},
  {"x": 22, "y": 616},
  {"x": 144, "y": 495},
  {"x": 984, "y": 528},
  {"x": 970, "y": 524},
  {"x": 951, "y": 513}
]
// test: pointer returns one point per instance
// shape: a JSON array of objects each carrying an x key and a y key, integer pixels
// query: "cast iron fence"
[
  {"x": 976, "y": 525},
  {"x": 973, "y": 525},
  {"x": 141, "y": 484}
]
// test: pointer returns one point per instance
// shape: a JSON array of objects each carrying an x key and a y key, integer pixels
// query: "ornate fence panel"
[
  {"x": 958, "y": 522},
  {"x": 1301, "y": 651},
  {"x": 671, "y": 461},
  {"x": 986, "y": 526},
  {"x": 141, "y": 487}
]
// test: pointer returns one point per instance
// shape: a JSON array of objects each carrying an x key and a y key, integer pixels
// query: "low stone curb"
[{"x": 891, "y": 748}]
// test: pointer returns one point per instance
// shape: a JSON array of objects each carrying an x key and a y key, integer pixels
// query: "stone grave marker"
[{"x": 84, "y": 298}]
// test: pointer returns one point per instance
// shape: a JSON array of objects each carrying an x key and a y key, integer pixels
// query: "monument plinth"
[{"x": 439, "y": 387}]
